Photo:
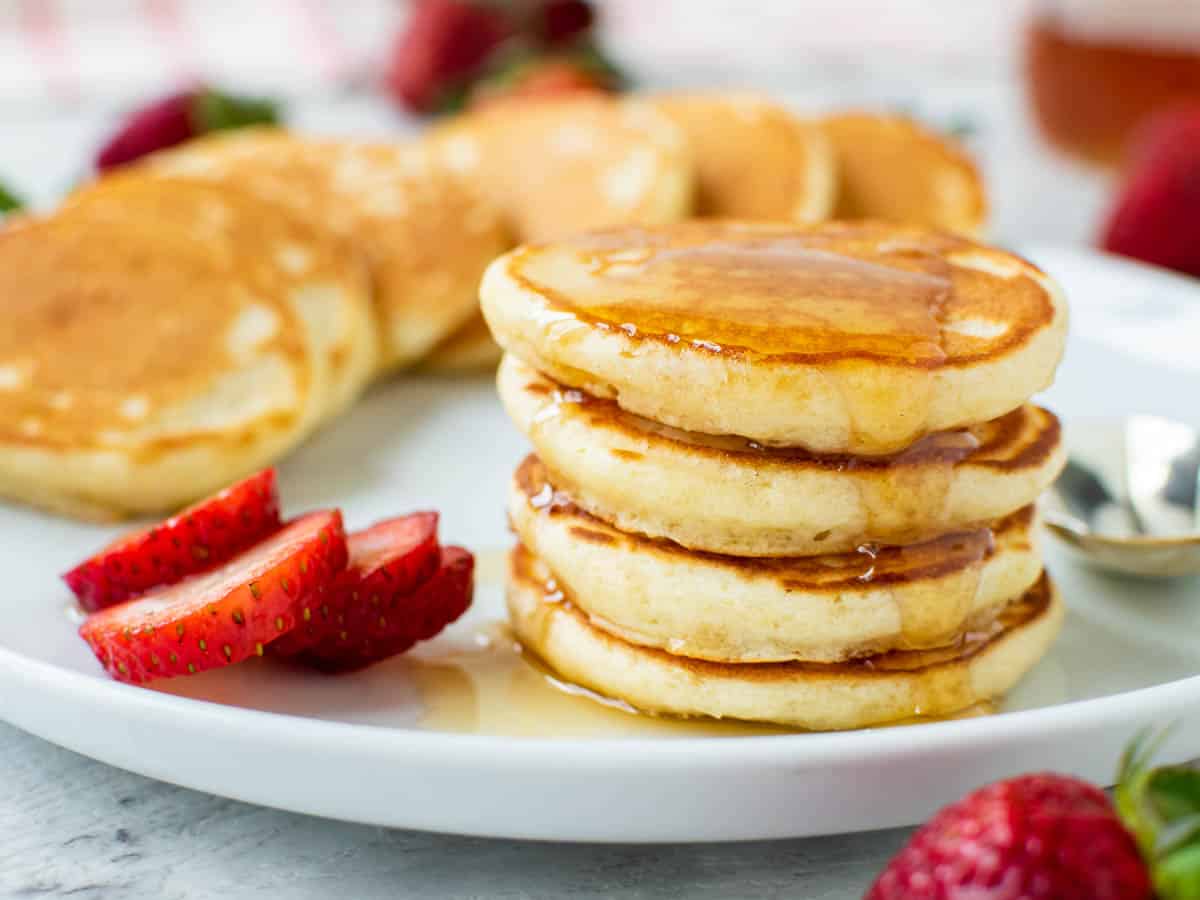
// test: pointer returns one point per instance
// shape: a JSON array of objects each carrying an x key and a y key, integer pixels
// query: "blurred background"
[{"x": 1044, "y": 92}]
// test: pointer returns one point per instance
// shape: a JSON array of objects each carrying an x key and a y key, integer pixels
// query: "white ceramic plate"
[{"x": 366, "y": 748}]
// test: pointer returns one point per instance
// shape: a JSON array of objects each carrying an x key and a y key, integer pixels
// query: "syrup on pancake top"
[{"x": 876, "y": 319}]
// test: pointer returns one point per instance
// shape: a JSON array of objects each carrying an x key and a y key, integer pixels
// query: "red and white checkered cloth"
[
  {"x": 66, "y": 51},
  {"x": 71, "y": 51}
]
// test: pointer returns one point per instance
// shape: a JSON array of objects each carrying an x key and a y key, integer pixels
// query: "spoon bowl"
[{"x": 1127, "y": 498}]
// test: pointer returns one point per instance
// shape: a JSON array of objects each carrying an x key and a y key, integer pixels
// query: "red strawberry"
[
  {"x": 1157, "y": 214},
  {"x": 559, "y": 22},
  {"x": 200, "y": 537},
  {"x": 1037, "y": 836},
  {"x": 224, "y": 616},
  {"x": 387, "y": 561},
  {"x": 179, "y": 118},
  {"x": 444, "y": 42},
  {"x": 374, "y": 633}
]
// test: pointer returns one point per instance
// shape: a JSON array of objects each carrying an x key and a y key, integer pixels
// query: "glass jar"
[{"x": 1096, "y": 68}]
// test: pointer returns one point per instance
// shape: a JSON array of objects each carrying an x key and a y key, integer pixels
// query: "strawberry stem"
[
  {"x": 214, "y": 111},
  {"x": 9, "y": 202},
  {"x": 1161, "y": 807}
]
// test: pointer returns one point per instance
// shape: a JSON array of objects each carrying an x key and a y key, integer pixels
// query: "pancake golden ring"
[
  {"x": 753, "y": 158},
  {"x": 730, "y": 609},
  {"x": 852, "y": 338},
  {"x": 728, "y": 495},
  {"x": 426, "y": 233},
  {"x": 822, "y": 697},
  {"x": 227, "y": 356}
]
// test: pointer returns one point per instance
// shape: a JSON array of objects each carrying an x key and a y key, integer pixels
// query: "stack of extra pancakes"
[
  {"x": 194, "y": 317},
  {"x": 783, "y": 473}
]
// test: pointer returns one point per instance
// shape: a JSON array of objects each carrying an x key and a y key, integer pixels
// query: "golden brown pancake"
[
  {"x": 753, "y": 158},
  {"x": 733, "y": 496},
  {"x": 842, "y": 337},
  {"x": 559, "y": 166},
  {"x": 159, "y": 346},
  {"x": 426, "y": 233},
  {"x": 340, "y": 323},
  {"x": 732, "y": 609},
  {"x": 890, "y": 167},
  {"x": 470, "y": 349},
  {"x": 870, "y": 691}
]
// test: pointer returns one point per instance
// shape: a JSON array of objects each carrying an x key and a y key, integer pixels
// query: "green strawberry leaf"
[
  {"x": 1161, "y": 807},
  {"x": 9, "y": 202},
  {"x": 214, "y": 111}
]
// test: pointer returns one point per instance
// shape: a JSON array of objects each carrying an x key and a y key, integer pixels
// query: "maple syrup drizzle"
[{"x": 722, "y": 289}]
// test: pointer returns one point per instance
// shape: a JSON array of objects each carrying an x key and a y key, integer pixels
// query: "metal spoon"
[{"x": 1127, "y": 500}]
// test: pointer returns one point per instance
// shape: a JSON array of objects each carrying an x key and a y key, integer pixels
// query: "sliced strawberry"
[
  {"x": 224, "y": 616},
  {"x": 374, "y": 633},
  {"x": 199, "y": 538},
  {"x": 387, "y": 561}
]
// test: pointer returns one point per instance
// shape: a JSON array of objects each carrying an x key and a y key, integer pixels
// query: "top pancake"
[
  {"x": 753, "y": 158},
  {"x": 889, "y": 167},
  {"x": 560, "y": 166},
  {"x": 427, "y": 234},
  {"x": 160, "y": 343},
  {"x": 841, "y": 337}
]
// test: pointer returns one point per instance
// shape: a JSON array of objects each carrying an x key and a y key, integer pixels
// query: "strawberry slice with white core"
[
  {"x": 221, "y": 617},
  {"x": 373, "y": 633},
  {"x": 387, "y": 560},
  {"x": 204, "y": 535}
]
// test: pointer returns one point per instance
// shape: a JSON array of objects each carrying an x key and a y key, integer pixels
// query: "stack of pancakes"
[{"x": 783, "y": 473}]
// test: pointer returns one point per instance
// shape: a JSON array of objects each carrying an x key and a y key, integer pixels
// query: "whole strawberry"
[
  {"x": 1037, "y": 836},
  {"x": 444, "y": 43},
  {"x": 1157, "y": 214},
  {"x": 559, "y": 22},
  {"x": 178, "y": 118}
]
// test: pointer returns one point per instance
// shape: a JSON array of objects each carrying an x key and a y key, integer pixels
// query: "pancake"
[
  {"x": 470, "y": 349},
  {"x": 732, "y": 609},
  {"x": 731, "y": 496},
  {"x": 889, "y": 167},
  {"x": 427, "y": 234},
  {"x": 325, "y": 277},
  {"x": 842, "y": 337},
  {"x": 560, "y": 166},
  {"x": 822, "y": 697},
  {"x": 753, "y": 158},
  {"x": 153, "y": 356}
]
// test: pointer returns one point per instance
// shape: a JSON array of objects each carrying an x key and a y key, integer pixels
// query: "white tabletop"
[{"x": 73, "y": 827}]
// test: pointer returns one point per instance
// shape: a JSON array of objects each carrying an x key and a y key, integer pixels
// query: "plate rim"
[{"x": 481, "y": 750}]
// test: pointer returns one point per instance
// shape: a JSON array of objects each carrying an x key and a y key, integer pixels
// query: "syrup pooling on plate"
[
  {"x": 737, "y": 289},
  {"x": 482, "y": 682}
]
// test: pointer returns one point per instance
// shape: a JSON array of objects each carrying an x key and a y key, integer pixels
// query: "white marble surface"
[{"x": 71, "y": 827}]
